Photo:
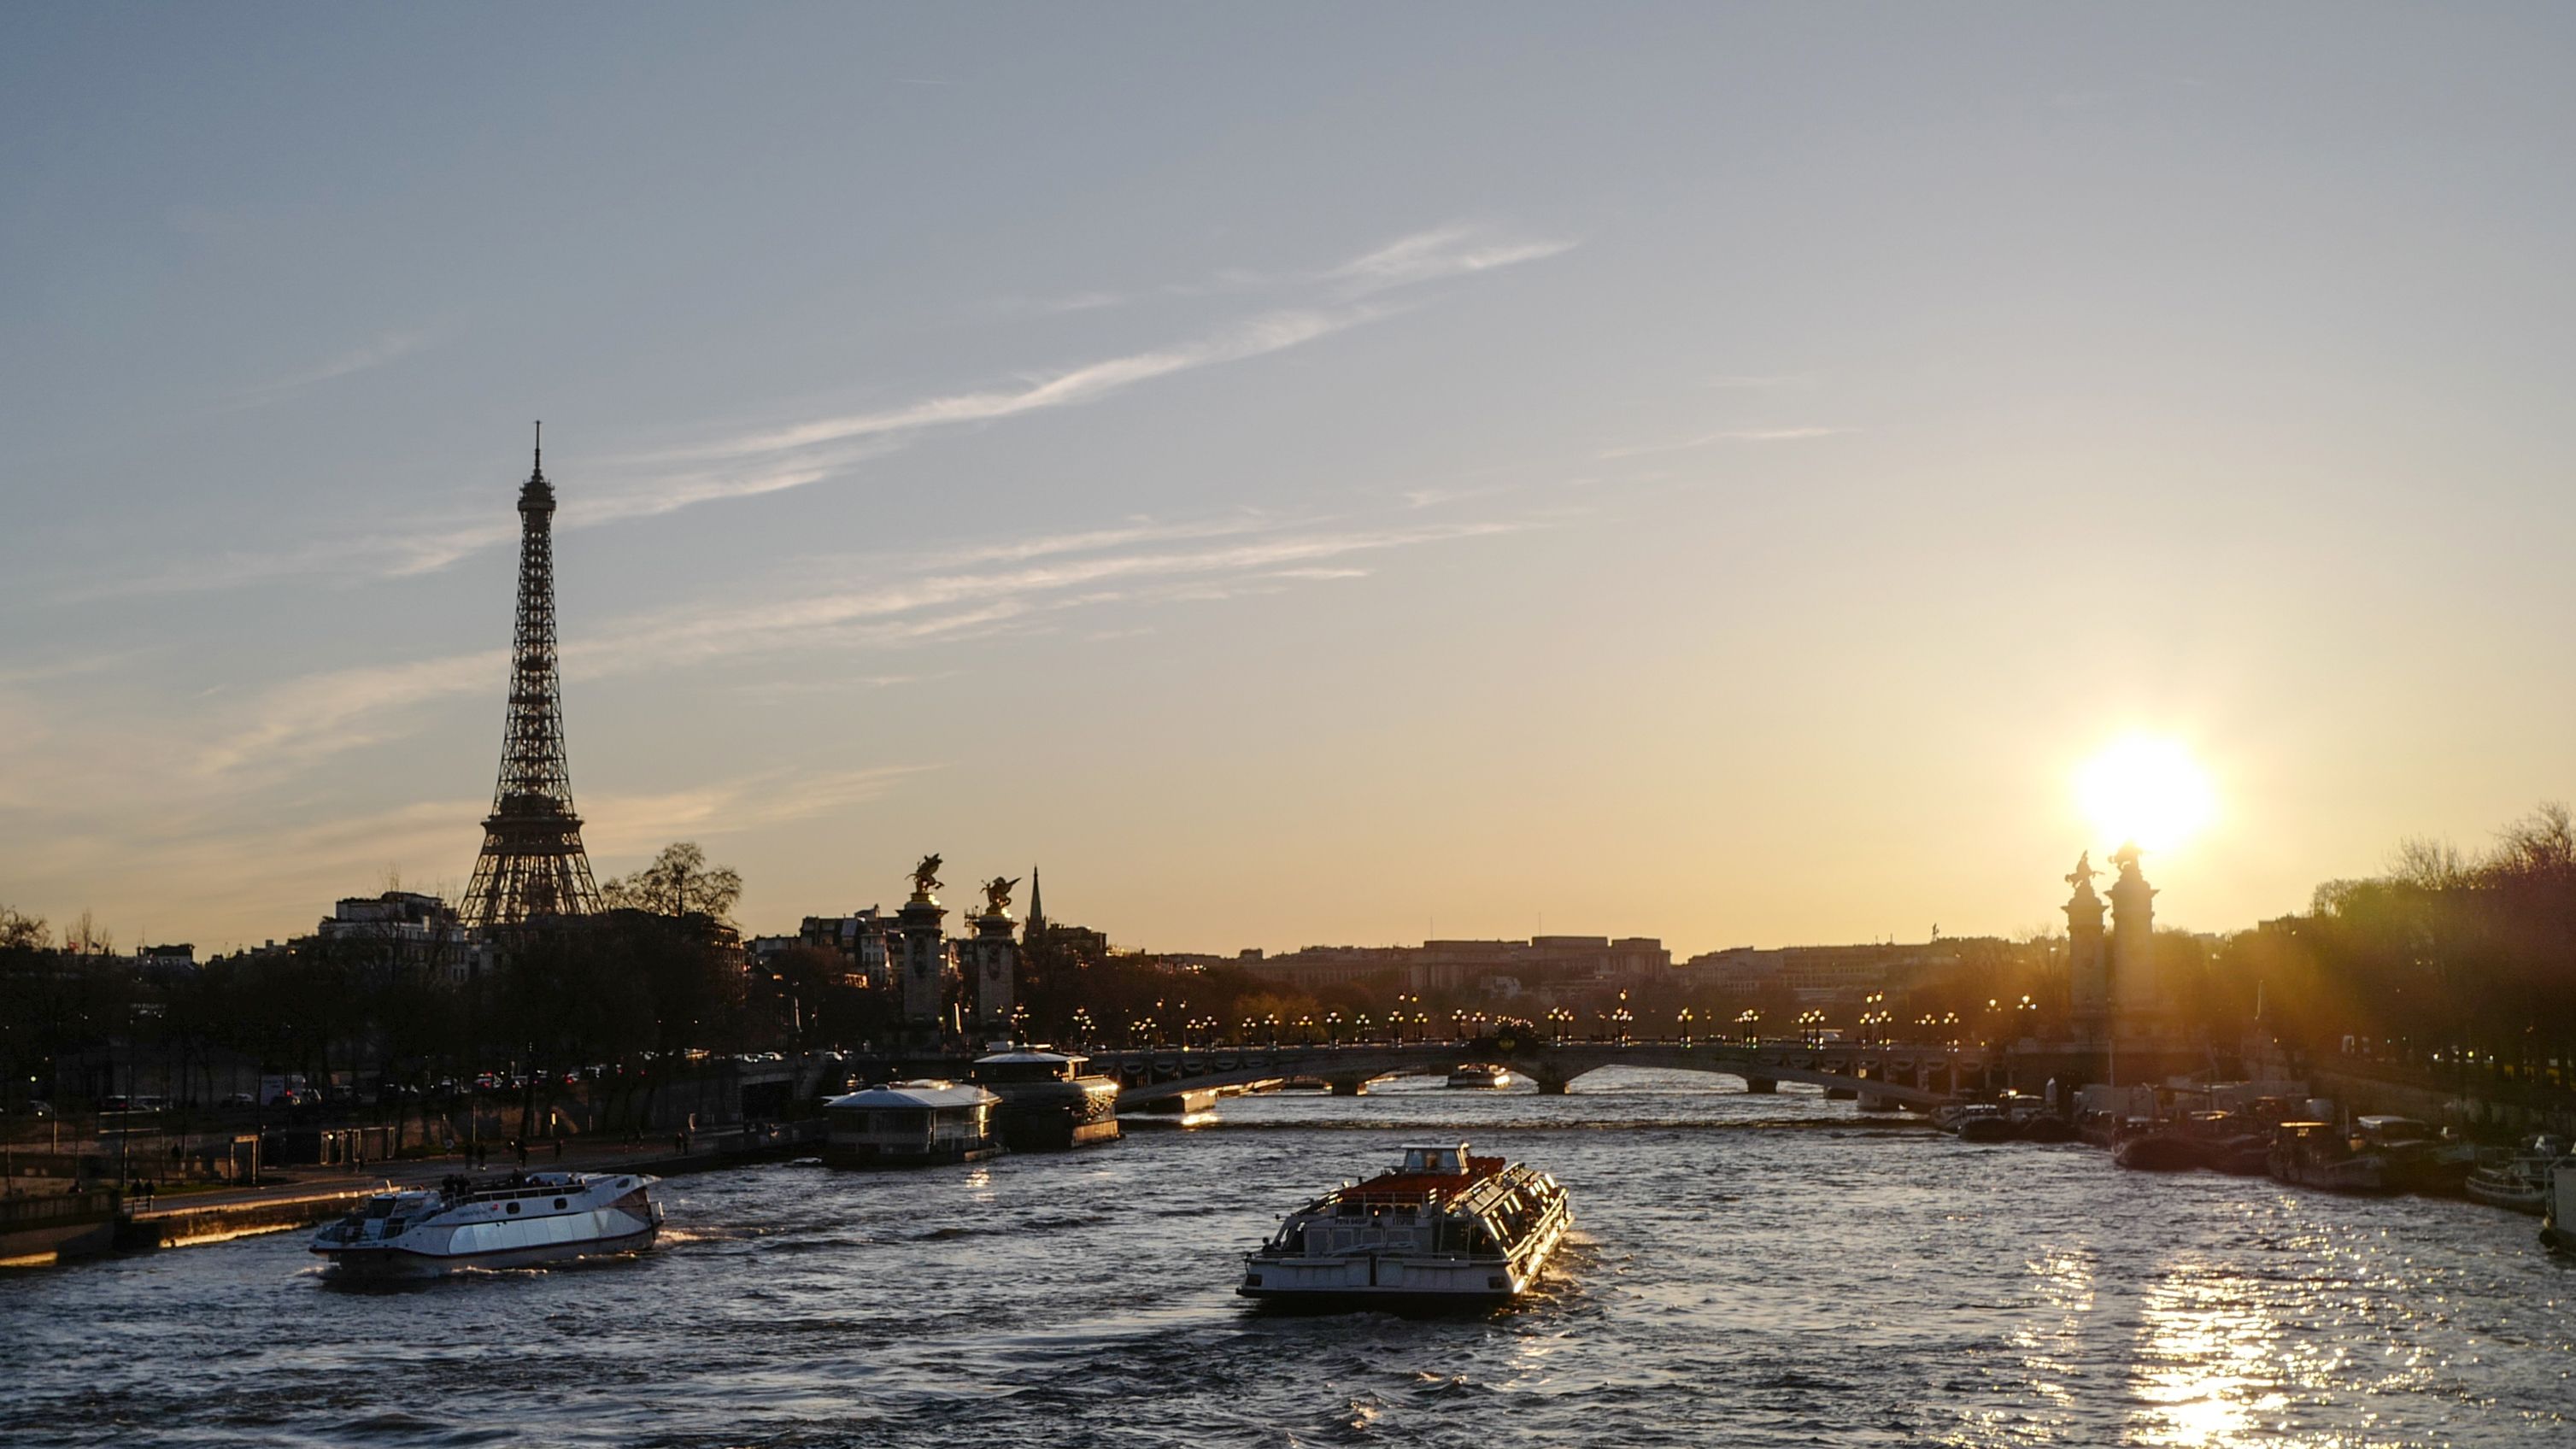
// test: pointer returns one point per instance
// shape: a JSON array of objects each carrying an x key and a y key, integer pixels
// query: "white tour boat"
[
  {"x": 1441, "y": 1228},
  {"x": 518, "y": 1222},
  {"x": 1480, "y": 1074}
]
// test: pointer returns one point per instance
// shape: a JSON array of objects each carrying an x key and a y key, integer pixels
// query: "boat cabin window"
[{"x": 1436, "y": 1159}]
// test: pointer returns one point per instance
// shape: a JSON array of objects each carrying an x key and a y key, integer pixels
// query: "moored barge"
[
  {"x": 909, "y": 1124},
  {"x": 1047, "y": 1103}
]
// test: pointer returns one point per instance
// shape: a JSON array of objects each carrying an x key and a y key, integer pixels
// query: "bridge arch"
[{"x": 1914, "y": 1077}]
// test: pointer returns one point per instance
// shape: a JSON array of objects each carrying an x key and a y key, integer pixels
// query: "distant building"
[
  {"x": 166, "y": 963},
  {"x": 406, "y": 929},
  {"x": 1538, "y": 965},
  {"x": 868, "y": 940},
  {"x": 1820, "y": 973}
]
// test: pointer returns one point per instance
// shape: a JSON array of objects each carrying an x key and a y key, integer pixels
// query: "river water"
[{"x": 1749, "y": 1271}]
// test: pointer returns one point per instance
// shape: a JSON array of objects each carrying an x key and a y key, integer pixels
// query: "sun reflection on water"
[
  {"x": 2051, "y": 1344},
  {"x": 2205, "y": 1363}
]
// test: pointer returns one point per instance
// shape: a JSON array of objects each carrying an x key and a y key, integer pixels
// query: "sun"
[{"x": 2146, "y": 789}]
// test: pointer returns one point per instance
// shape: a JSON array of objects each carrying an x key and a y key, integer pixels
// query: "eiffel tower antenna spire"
[{"x": 533, "y": 863}]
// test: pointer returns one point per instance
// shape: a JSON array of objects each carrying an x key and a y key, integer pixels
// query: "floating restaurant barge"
[
  {"x": 1047, "y": 1104},
  {"x": 1442, "y": 1229},
  {"x": 906, "y": 1124}
]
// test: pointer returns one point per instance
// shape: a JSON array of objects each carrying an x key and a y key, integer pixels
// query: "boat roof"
[
  {"x": 917, "y": 1094},
  {"x": 1027, "y": 1054}
]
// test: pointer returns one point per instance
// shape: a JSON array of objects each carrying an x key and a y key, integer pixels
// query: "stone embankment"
[{"x": 41, "y": 1229}]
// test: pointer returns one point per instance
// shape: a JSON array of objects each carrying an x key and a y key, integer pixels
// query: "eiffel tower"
[{"x": 532, "y": 863}]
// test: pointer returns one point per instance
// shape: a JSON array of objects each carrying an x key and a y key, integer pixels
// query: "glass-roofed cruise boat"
[{"x": 1443, "y": 1228}]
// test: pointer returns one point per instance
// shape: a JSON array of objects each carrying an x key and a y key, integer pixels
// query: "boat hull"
[
  {"x": 865, "y": 1155},
  {"x": 2513, "y": 1194},
  {"x": 2157, "y": 1153},
  {"x": 2558, "y": 1210},
  {"x": 2361, "y": 1176},
  {"x": 1362, "y": 1281},
  {"x": 396, "y": 1263}
]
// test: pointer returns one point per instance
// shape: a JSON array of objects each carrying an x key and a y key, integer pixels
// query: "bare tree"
[
  {"x": 2540, "y": 844},
  {"x": 83, "y": 937},
  {"x": 2427, "y": 864},
  {"x": 679, "y": 882},
  {"x": 20, "y": 931}
]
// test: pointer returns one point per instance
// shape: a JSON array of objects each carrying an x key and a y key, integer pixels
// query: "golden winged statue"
[
  {"x": 997, "y": 895},
  {"x": 925, "y": 876}
]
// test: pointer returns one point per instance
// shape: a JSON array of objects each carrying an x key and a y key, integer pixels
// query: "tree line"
[{"x": 2441, "y": 959}]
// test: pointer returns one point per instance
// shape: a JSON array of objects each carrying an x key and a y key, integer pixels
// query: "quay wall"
[
  {"x": 37, "y": 1229},
  {"x": 178, "y": 1227},
  {"x": 43, "y": 1229},
  {"x": 2361, "y": 1094}
]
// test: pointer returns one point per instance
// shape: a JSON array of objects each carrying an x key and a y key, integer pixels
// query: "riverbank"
[{"x": 52, "y": 1229}]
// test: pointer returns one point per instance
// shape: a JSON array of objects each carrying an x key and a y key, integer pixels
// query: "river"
[{"x": 1751, "y": 1270}]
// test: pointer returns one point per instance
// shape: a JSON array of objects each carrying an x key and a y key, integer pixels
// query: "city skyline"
[{"x": 1726, "y": 494}]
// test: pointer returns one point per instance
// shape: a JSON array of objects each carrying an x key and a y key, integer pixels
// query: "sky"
[{"x": 1305, "y": 474}]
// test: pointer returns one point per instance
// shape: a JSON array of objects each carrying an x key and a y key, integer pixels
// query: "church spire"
[{"x": 1037, "y": 907}]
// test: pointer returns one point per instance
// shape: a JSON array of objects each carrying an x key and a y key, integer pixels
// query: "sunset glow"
[{"x": 2146, "y": 789}]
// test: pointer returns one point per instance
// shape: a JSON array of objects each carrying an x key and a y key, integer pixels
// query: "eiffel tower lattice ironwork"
[{"x": 532, "y": 863}]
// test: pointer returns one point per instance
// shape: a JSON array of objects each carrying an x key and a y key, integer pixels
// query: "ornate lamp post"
[{"x": 1683, "y": 1020}]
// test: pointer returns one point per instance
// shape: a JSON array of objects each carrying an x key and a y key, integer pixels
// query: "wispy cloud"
[
  {"x": 1093, "y": 301},
  {"x": 1457, "y": 250},
  {"x": 376, "y": 352},
  {"x": 1729, "y": 435},
  {"x": 1009, "y": 586},
  {"x": 1759, "y": 380},
  {"x": 1257, "y": 337},
  {"x": 337, "y": 709},
  {"x": 636, "y": 825},
  {"x": 748, "y": 462}
]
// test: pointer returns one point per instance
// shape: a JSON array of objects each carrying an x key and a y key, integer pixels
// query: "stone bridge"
[{"x": 1901, "y": 1075}]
